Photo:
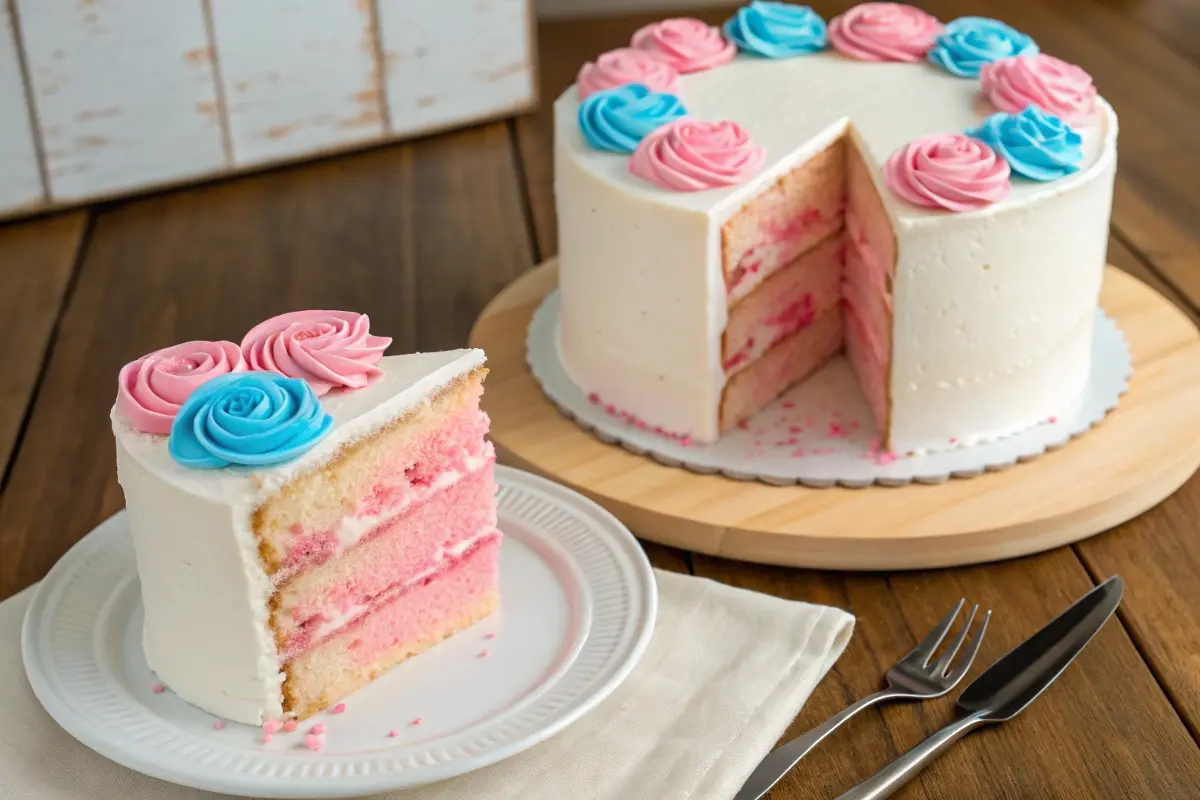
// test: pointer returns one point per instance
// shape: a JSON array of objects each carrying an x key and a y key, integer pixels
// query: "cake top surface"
[
  {"x": 402, "y": 382},
  {"x": 793, "y": 107}
]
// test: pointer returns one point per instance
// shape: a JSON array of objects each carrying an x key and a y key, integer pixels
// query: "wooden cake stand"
[{"x": 1141, "y": 453}]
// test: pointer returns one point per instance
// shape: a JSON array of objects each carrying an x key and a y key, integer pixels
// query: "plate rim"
[{"x": 83, "y": 728}]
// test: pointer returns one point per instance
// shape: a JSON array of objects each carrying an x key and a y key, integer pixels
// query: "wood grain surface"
[
  {"x": 422, "y": 235},
  {"x": 1137, "y": 456}
]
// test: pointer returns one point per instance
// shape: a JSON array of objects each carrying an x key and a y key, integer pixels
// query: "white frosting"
[
  {"x": 205, "y": 592},
  {"x": 992, "y": 307}
]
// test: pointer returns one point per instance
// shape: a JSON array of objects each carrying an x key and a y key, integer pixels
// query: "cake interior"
[
  {"x": 386, "y": 550},
  {"x": 808, "y": 267}
]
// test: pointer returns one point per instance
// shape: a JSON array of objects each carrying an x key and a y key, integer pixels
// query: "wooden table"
[{"x": 422, "y": 235}]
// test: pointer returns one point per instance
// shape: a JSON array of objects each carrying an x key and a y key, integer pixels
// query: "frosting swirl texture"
[
  {"x": 1054, "y": 86},
  {"x": 948, "y": 170},
  {"x": 329, "y": 349},
  {"x": 1036, "y": 145},
  {"x": 151, "y": 389},
  {"x": 968, "y": 43},
  {"x": 617, "y": 119},
  {"x": 624, "y": 66},
  {"x": 776, "y": 30},
  {"x": 884, "y": 32},
  {"x": 690, "y": 155},
  {"x": 251, "y": 419},
  {"x": 688, "y": 45}
]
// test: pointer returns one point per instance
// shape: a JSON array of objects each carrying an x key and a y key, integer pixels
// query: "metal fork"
[{"x": 912, "y": 678}]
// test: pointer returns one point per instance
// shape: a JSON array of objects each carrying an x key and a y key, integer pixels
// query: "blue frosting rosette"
[
  {"x": 1036, "y": 145},
  {"x": 776, "y": 30},
  {"x": 617, "y": 119},
  {"x": 968, "y": 43},
  {"x": 251, "y": 419}
]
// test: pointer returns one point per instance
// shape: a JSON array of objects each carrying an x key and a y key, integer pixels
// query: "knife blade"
[{"x": 1007, "y": 687}]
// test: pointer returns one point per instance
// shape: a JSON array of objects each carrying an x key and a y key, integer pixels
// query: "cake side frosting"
[{"x": 979, "y": 349}]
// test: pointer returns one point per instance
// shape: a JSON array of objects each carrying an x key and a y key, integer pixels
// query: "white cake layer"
[
  {"x": 987, "y": 336},
  {"x": 204, "y": 588}
]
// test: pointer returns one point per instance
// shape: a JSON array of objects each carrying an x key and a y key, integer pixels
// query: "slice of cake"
[{"x": 306, "y": 512}]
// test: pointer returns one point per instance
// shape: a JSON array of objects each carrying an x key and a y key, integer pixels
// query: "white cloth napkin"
[{"x": 725, "y": 673}]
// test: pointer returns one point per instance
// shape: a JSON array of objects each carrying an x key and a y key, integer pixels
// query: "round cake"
[{"x": 739, "y": 205}]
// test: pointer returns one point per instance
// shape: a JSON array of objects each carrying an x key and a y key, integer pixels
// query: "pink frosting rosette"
[
  {"x": 689, "y": 155},
  {"x": 151, "y": 390},
  {"x": 624, "y": 66},
  {"x": 688, "y": 45},
  {"x": 884, "y": 32},
  {"x": 328, "y": 349},
  {"x": 948, "y": 170},
  {"x": 1053, "y": 85}
]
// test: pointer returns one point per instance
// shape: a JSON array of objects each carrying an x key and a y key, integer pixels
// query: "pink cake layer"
[
  {"x": 434, "y": 457},
  {"x": 789, "y": 362},
  {"x": 802, "y": 208},
  {"x": 401, "y": 624},
  {"x": 783, "y": 304},
  {"x": 411, "y": 544},
  {"x": 867, "y": 289}
]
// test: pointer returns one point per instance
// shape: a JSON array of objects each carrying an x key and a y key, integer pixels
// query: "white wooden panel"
[
  {"x": 124, "y": 93},
  {"x": 20, "y": 182},
  {"x": 299, "y": 75},
  {"x": 453, "y": 60}
]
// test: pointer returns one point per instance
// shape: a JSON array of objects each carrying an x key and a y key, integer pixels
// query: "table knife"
[{"x": 1005, "y": 688}]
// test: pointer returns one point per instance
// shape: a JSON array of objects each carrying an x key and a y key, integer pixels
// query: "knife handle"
[{"x": 903, "y": 769}]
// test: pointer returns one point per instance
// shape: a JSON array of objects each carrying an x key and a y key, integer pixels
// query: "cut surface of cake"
[
  {"x": 879, "y": 187},
  {"x": 314, "y": 513}
]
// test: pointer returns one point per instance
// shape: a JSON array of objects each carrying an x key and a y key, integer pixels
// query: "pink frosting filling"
[
  {"x": 328, "y": 349},
  {"x": 408, "y": 612},
  {"x": 413, "y": 544},
  {"x": 399, "y": 484}
]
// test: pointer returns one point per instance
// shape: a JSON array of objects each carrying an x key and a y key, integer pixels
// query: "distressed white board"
[
  {"x": 299, "y": 76},
  {"x": 123, "y": 92},
  {"x": 20, "y": 182},
  {"x": 450, "y": 61}
]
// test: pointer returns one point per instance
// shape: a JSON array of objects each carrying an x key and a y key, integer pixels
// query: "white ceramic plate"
[
  {"x": 578, "y": 603},
  {"x": 820, "y": 432}
]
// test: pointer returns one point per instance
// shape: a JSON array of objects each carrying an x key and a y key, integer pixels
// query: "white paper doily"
[{"x": 820, "y": 432}]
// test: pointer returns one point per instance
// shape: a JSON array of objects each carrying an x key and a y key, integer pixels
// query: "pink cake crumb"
[
  {"x": 788, "y": 404},
  {"x": 483, "y": 653},
  {"x": 340, "y": 708},
  {"x": 266, "y": 738},
  {"x": 416, "y": 721},
  {"x": 798, "y": 453},
  {"x": 218, "y": 724},
  {"x": 953, "y": 440},
  {"x": 289, "y": 726},
  {"x": 158, "y": 688},
  {"x": 271, "y": 725},
  {"x": 836, "y": 430},
  {"x": 318, "y": 729},
  {"x": 489, "y": 636},
  {"x": 312, "y": 742},
  {"x": 883, "y": 459},
  {"x": 393, "y": 733},
  {"x": 1052, "y": 420}
]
